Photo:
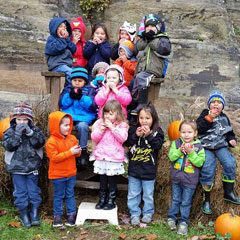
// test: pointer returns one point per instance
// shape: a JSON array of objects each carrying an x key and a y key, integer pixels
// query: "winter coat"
[
  {"x": 23, "y": 153},
  {"x": 109, "y": 142},
  {"x": 95, "y": 53},
  {"x": 58, "y": 50},
  {"x": 185, "y": 168},
  {"x": 124, "y": 97},
  {"x": 216, "y": 133},
  {"x": 143, "y": 153},
  {"x": 84, "y": 109},
  {"x": 62, "y": 163},
  {"x": 154, "y": 54}
]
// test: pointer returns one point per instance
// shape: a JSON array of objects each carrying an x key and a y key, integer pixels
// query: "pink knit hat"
[{"x": 115, "y": 67}]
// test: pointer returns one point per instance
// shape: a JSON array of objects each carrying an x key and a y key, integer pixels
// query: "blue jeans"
[
  {"x": 67, "y": 70},
  {"x": 227, "y": 161},
  {"x": 181, "y": 201},
  {"x": 26, "y": 190},
  {"x": 82, "y": 133},
  {"x": 64, "y": 189},
  {"x": 135, "y": 188}
]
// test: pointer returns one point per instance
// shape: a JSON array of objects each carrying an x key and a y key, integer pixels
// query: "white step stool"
[{"x": 86, "y": 210}]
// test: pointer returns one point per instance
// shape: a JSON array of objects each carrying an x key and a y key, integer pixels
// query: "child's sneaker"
[
  {"x": 147, "y": 218},
  {"x": 182, "y": 228},
  {"x": 71, "y": 220},
  {"x": 135, "y": 220},
  {"x": 57, "y": 221},
  {"x": 171, "y": 224}
]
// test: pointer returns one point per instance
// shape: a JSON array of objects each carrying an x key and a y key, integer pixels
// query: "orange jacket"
[
  {"x": 129, "y": 69},
  {"x": 62, "y": 162}
]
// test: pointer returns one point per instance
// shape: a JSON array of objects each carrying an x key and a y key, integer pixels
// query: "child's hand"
[
  {"x": 121, "y": 41},
  {"x": 64, "y": 34},
  {"x": 188, "y": 147},
  {"x": 146, "y": 130},
  {"x": 123, "y": 58},
  {"x": 182, "y": 148},
  {"x": 103, "y": 127},
  {"x": 214, "y": 113},
  {"x": 76, "y": 38},
  {"x": 76, "y": 149},
  {"x": 108, "y": 124},
  {"x": 113, "y": 87},
  {"x": 233, "y": 142},
  {"x": 139, "y": 132}
]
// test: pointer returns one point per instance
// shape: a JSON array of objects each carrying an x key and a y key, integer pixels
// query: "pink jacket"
[
  {"x": 124, "y": 97},
  {"x": 109, "y": 142}
]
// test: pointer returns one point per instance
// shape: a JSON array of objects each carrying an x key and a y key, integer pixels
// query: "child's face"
[
  {"x": 151, "y": 27},
  {"x": 64, "y": 126},
  {"x": 111, "y": 116},
  {"x": 21, "y": 120},
  {"x": 187, "y": 133},
  {"x": 112, "y": 77},
  {"x": 78, "y": 82},
  {"x": 100, "y": 72},
  {"x": 76, "y": 32},
  {"x": 145, "y": 118},
  {"x": 122, "y": 52},
  {"x": 100, "y": 34},
  {"x": 124, "y": 35},
  {"x": 61, "y": 29},
  {"x": 216, "y": 106}
]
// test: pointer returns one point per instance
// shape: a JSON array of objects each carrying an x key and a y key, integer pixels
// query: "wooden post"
[{"x": 154, "y": 88}]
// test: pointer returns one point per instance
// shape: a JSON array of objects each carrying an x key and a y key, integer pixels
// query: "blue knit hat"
[
  {"x": 80, "y": 72},
  {"x": 216, "y": 96}
]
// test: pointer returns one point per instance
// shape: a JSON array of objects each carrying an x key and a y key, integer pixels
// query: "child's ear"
[{"x": 196, "y": 133}]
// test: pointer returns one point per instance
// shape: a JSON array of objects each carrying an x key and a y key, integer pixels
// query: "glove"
[
  {"x": 79, "y": 93},
  {"x": 150, "y": 35},
  {"x": 76, "y": 93},
  {"x": 19, "y": 129},
  {"x": 28, "y": 130},
  {"x": 98, "y": 80}
]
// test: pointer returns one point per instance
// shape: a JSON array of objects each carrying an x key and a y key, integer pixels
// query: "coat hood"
[
  {"x": 54, "y": 122},
  {"x": 55, "y": 22},
  {"x": 119, "y": 69},
  {"x": 79, "y": 24}
]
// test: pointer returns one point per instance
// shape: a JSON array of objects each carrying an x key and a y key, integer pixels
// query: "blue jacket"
[
  {"x": 58, "y": 50},
  {"x": 83, "y": 110},
  {"x": 95, "y": 53}
]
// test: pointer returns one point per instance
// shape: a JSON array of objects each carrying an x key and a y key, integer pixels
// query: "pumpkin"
[
  {"x": 4, "y": 125},
  {"x": 228, "y": 223},
  {"x": 173, "y": 130}
]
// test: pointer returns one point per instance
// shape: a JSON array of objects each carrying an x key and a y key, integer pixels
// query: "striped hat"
[
  {"x": 128, "y": 47},
  {"x": 23, "y": 110},
  {"x": 80, "y": 72},
  {"x": 216, "y": 96}
]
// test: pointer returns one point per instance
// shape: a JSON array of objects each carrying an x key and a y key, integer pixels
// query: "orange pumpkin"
[
  {"x": 4, "y": 125},
  {"x": 173, "y": 130},
  {"x": 228, "y": 223}
]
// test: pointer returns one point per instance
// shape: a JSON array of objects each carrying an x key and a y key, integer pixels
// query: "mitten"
[
  {"x": 19, "y": 129},
  {"x": 150, "y": 35},
  {"x": 144, "y": 35},
  {"x": 29, "y": 131},
  {"x": 78, "y": 93},
  {"x": 72, "y": 94},
  {"x": 98, "y": 80}
]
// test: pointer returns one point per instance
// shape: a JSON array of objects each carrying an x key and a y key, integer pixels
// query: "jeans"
[
  {"x": 82, "y": 133},
  {"x": 181, "y": 201},
  {"x": 64, "y": 189},
  {"x": 67, "y": 70},
  {"x": 135, "y": 188},
  {"x": 227, "y": 161},
  {"x": 26, "y": 190}
]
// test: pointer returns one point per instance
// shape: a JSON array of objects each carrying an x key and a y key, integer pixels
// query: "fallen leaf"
[
  {"x": 123, "y": 236},
  {"x": 143, "y": 225},
  {"x": 14, "y": 224},
  {"x": 82, "y": 237},
  {"x": 203, "y": 237},
  {"x": 139, "y": 236},
  {"x": 83, "y": 231},
  {"x": 151, "y": 237},
  {"x": 2, "y": 212},
  {"x": 48, "y": 220}
]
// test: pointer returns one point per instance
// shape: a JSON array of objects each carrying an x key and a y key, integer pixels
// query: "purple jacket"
[{"x": 109, "y": 142}]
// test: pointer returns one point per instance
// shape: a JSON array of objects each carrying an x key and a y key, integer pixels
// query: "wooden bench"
[{"x": 53, "y": 85}]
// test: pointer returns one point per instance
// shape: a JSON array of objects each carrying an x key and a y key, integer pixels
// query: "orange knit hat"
[{"x": 128, "y": 47}]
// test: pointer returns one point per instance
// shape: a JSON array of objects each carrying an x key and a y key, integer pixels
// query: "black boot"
[
  {"x": 34, "y": 216},
  {"x": 84, "y": 158},
  {"x": 111, "y": 200},
  {"x": 229, "y": 192},
  {"x": 206, "y": 208},
  {"x": 25, "y": 218},
  {"x": 143, "y": 95},
  {"x": 102, "y": 199}
]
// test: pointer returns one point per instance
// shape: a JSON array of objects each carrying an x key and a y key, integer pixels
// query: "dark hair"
[
  {"x": 100, "y": 25},
  {"x": 189, "y": 122},
  {"x": 114, "y": 106},
  {"x": 149, "y": 107}
]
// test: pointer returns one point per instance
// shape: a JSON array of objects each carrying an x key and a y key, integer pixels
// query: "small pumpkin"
[
  {"x": 173, "y": 130},
  {"x": 4, "y": 125},
  {"x": 228, "y": 223}
]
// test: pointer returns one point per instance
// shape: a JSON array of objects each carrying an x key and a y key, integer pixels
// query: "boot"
[
  {"x": 34, "y": 216},
  {"x": 111, "y": 200},
  {"x": 143, "y": 95},
  {"x": 102, "y": 199},
  {"x": 84, "y": 158},
  {"x": 25, "y": 218},
  {"x": 206, "y": 208},
  {"x": 229, "y": 192}
]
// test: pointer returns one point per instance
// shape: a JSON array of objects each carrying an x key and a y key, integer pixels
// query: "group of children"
[{"x": 96, "y": 90}]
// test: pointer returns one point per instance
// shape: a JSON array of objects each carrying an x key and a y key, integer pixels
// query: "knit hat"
[
  {"x": 115, "y": 67},
  {"x": 128, "y": 47},
  {"x": 23, "y": 110},
  {"x": 98, "y": 65},
  {"x": 79, "y": 24},
  {"x": 154, "y": 19},
  {"x": 80, "y": 72},
  {"x": 130, "y": 28},
  {"x": 216, "y": 96}
]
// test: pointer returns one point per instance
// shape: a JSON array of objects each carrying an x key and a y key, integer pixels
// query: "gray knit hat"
[
  {"x": 23, "y": 110},
  {"x": 98, "y": 65}
]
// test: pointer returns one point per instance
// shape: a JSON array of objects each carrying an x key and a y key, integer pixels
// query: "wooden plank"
[
  {"x": 55, "y": 88},
  {"x": 52, "y": 74},
  {"x": 154, "y": 88}
]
